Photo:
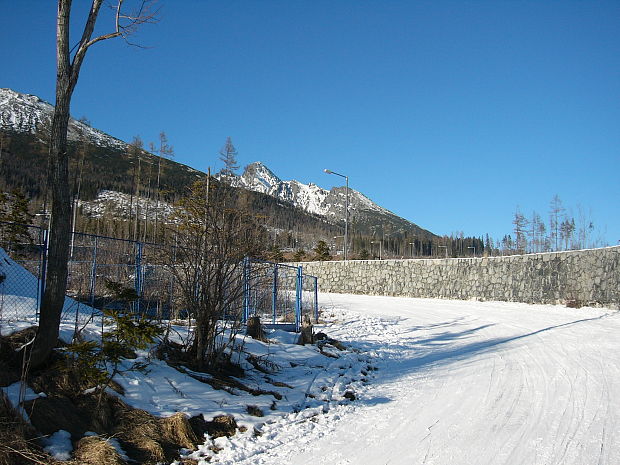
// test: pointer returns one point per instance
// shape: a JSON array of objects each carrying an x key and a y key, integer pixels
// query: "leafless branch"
[{"x": 125, "y": 25}]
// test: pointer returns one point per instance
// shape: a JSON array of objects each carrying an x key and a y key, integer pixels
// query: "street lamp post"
[
  {"x": 346, "y": 215},
  {"x": 412, "y": 244}
]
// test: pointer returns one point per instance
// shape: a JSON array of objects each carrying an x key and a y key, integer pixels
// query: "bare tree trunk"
[
  {"x": 67, "y": 73},
  {"x": 60, "y": 221}
]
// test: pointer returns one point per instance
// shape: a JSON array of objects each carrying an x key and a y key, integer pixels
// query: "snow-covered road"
[{"x": 464, "y": 383}]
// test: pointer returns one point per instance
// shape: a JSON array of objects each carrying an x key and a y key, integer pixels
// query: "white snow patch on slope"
[
  {"x": 58, "y": 445},
  {"x": 19, "y": 290},
  {"x": 124, "y": 205},
  {"x": 26, "y": 113}
]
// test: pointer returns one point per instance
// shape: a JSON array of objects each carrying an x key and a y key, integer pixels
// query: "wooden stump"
[
  {"x": 306, "y": 336},
  {"x": 255, "y": 330}
]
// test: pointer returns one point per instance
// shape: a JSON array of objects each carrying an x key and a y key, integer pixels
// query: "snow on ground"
[
  {"x": 457, "y": 383},
  {"x": 461, "y": 383},
  {"x": 18, "y": 299},
  {"x": 291, "y": 378},
  {"x": 58, "y": 445}
]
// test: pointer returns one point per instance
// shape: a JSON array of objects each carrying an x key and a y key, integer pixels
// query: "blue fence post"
[
  {"x": 138, "y": 280},
  {"x": 42, "y": 271},
  {"x": 170, "y": 299},
  {"x": 274, "y": 298},
  {"x": 93, "y": 275},
  {"x": 316, "y": 299},
  {"x": 298, "y": 299},
  {"x": 246, "y": 289}
]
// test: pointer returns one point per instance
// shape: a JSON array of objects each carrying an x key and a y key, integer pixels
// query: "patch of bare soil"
[{"x": 11, "y": 357}]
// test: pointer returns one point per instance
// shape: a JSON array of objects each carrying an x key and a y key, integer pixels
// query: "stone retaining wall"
[{"x": 585, "y": 276}]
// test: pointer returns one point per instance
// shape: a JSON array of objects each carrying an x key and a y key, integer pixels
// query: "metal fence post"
[
  {"x": 298, "y": 298},
  {"x": 93, "y": 275},
  {"x": 316, "y": 299},
  {"x": 246, "y": 289},
  {"x": 42, "y": 272},
  {"x": 138, "y": 280},
  {"x": 274, "y": 299}
]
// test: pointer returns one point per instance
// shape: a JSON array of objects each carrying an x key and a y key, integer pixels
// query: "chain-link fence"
[
  {"x": 95, "y": 263},
  {"x": 280, "y": 294},
  {"x": 22, "y": 262}
]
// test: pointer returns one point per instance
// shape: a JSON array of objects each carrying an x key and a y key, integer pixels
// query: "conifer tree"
[
  {"x": 299, "y": 256},
  {"x": 322, "y": 251},
  {"x": 228, "y": 155},
  {"x": 15, "y": 209}
]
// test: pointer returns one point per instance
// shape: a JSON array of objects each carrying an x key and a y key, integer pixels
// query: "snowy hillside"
[
  {"x": 121, "y": 205},
  {"x": 28, "y": 113}
]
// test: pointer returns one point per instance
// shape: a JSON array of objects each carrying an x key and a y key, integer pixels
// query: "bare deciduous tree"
[
  {"x": 520, "y": 230},
  {"x": 165, "y": 151},
  {"x": 212, "y": 241},
  {"x": 69, "y": 61},
  {"x": 556, "y": 210}
]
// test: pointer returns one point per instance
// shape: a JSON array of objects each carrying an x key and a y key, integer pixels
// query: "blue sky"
[{"x": 450, "y": 114}]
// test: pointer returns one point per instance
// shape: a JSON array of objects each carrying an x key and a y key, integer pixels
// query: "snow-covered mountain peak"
[
  {"x": 25, "y": 113},
  {"x": 259, "y": 176},
  {"x": 28, "y": 113},
  {"x": 309, "y": 197}
]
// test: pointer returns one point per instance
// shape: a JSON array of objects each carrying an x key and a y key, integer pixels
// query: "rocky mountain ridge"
[
  {"x": 27, "y": 114},
  {"x": 309, "y": 197}
]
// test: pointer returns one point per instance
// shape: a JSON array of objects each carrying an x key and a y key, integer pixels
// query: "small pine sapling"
[{"x": 96, "y": 365}]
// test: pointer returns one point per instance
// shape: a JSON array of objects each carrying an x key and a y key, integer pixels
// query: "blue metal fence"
[
  {"x": 94, "y": 260},
  {"x": 279, "y": 293}
]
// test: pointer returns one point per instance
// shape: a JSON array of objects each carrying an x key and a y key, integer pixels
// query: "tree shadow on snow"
[{"x": 431, "y": 353}]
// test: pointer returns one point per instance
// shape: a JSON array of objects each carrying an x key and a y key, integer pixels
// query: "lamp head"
[{"x": 327, "y": 171}]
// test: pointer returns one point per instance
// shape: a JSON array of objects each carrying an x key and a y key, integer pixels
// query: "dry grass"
[
  {"x": 17, "y": 443},
  {"x": 95, "y": 450},
  {"x": 154, "y": 440},
  {"x": 140, "y": 431},
  {"x": 177, "y": 430}
]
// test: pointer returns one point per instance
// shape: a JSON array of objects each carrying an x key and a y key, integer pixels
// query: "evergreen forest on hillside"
[{"x": 293, "y": 233}]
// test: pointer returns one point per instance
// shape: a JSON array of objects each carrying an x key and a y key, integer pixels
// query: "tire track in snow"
[{"x": 470, "y": 383}]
